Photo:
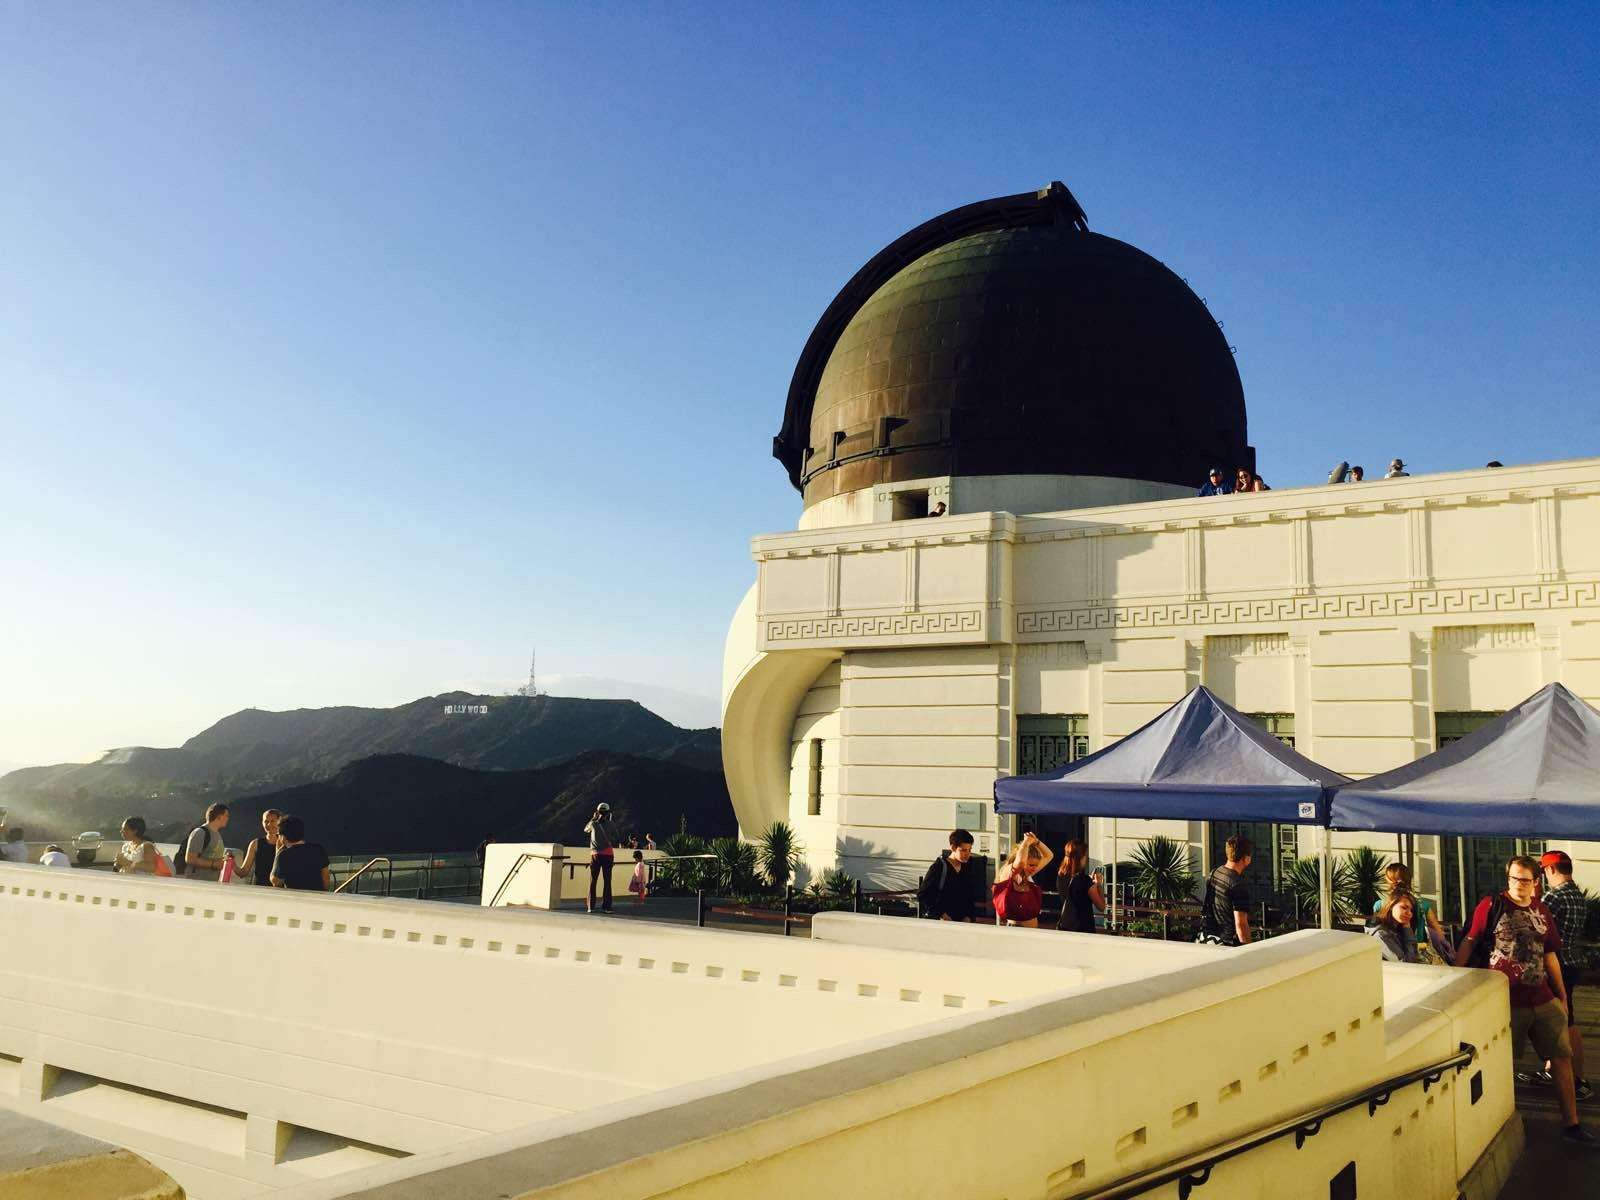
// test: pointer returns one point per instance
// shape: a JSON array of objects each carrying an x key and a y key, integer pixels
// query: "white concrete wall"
[
  {"x": 1052, "y": 1097},
  {"x": 289, "y": 1034}
]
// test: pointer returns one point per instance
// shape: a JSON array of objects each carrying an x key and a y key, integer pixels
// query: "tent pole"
[
  {"x": 1325, "y": 881},
  {"x": 1114, "y": 893},
  {"x": 1461, "y": 877}
]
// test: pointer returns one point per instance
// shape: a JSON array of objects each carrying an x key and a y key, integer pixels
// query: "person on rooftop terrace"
[
  {"x": 1215, "y": 484},
  {"x": 1397, "y": 469},
  {"x": 1225, "y": 911},
  {"x": 1357, "y": 475},
  {"x": 1017, "y": 898},
  {"x": 1515, "y": 934},
  {"x": 950, "y": 889},
  {"x": 1569, "y": 906}
]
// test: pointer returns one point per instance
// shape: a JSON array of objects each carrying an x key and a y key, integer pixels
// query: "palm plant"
[
  {"x": 1161, "y": 870},
  {"x": 1366, "y": 883},
  {"x": 1305, "y": 879},
  {"x": 779, "y": 853},
  {"x": 834, "y": 883},
  {"x": 681, "y": 873},
  {"x": 733, "y": 871}
]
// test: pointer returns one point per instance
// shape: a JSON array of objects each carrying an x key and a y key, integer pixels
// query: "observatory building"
[{"x": 1063, "y": 395}]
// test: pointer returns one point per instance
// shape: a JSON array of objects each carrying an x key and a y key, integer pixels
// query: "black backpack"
[
  {"x": 180, "y": 856},
  {"x": 1482, "y": 948}
]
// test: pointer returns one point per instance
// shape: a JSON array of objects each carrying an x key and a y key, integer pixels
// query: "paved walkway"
[{"x": 1549, "y": 1166}]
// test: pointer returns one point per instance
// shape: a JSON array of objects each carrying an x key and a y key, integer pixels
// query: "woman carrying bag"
[
  {"x": 1080, "y": 892},
  {"x": 1017, "y": 898}
]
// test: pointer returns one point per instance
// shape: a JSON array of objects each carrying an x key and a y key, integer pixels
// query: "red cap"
[{"x": 1557, "y": 859}]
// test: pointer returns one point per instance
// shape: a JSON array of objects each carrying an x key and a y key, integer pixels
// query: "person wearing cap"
[
  {"x": 1215, "y": 484},
  {"x": 602, "y": 854},
  {"x": 1397, "y": 469},
  {"x": 1564, "y": 898}
]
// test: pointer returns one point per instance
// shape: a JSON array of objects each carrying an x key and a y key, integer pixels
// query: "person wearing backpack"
[
  {"x": 203, "y": 850},
  {"x": 949, "y": 890},
  {"x": 1515, "y": 934}
]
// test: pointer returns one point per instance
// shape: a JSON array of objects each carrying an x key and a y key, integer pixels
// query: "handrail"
[
  {"x": 389, "y": 879},
  {"x": 1193, "y": 1170}
]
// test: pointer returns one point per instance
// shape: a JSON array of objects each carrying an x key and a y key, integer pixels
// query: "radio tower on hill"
[{"x": 531, "y": 688}]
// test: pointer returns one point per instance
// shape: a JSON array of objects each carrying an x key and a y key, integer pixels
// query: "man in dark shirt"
[
  {"x": 1525, "y": 947},
  {"x": 1215, "y": 484},
  {"x": 300, "y": 865},
  {"x": 1567, "y": 904},
  {"x": 950, "y": 888},
  {"x": 1225, "y": 913}
]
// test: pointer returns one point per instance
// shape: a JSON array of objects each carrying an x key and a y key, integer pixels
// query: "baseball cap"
[
  {"x": 602, "y": 807},
  {"x": 1557, "y": 859}
]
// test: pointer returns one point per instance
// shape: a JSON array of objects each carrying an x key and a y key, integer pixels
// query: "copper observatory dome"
[{"x": 1004, "y": 338}]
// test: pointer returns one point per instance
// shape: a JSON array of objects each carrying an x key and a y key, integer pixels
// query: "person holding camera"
[{"x": 602, "y": 853}]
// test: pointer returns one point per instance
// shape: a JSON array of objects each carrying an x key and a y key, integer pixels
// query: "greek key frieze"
[
  {"x": 922, "y": 624},
  {"x": 1508, "y": 598}
]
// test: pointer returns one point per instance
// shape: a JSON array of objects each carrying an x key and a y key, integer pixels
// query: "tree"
[{"x": 1365, "y": 884}]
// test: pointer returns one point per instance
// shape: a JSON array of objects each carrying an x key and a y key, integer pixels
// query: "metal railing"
[
  {"x": 422, "y": 875},
  {"x": 1194, "y": 1170},
  {"x": 388, "y": 874},
  {"x": 572, "y": 868}
]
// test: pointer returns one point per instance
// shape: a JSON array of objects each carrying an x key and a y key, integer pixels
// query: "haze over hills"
[{"x": 255, "y": 752}]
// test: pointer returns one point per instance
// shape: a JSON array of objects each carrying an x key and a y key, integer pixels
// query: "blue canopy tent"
[
  {"x": 1200, "y": 759},
  {"x": 1532, "y": 772}
]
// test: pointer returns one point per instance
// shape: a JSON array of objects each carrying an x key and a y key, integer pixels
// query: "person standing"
[
  {"x": 299, "y": 865},
  {"x": 949, "y": 890},
  {"x": 258, "y": 855},
  {"x": 203, "y": 850},
  {"x": 602, "y": 855},
  {"x": 1080, "y": 892},
  {"x": 1397, "y": 470},
  {"x": 1017, "y": 898},
  {"x": 1225, "y": 911},
  {"x": 637, "y": 884},
  {"x": 1519, "y": 938},
  {"x": 1430, "y": 935},
  {"x": 1565, "y": 900}
]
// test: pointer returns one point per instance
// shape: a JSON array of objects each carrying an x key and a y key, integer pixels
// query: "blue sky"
[{"x": 346, "y": 351}]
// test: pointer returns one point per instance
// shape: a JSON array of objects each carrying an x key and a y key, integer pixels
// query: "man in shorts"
[
  {"x": 1525, "y": 946},
  {"x": 1564, "y": 898}
]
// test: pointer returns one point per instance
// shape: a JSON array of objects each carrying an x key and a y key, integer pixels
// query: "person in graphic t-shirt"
[
  {"x": 300, "y": 865},
  {"x": 1525, "y": 947},
  {"x": 1225, "y": 912}
]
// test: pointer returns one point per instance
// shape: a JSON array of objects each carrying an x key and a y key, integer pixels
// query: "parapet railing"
[
  {"x": 1194, "y": 1170},
  {"x": 527, "y": 856},
  {"x": 388, "y": 875}
]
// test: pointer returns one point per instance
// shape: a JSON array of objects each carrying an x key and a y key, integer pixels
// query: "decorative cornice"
[
  {"x": 1479, "y": 638},
  {"x": 1510, "y": 598},
  {"x": 1248, "y": 645}
]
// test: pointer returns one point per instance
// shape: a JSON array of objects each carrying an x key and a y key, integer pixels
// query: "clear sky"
[{"x": 346, "y": 351}]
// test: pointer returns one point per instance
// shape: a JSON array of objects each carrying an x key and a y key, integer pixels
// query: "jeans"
[{"x": 600, "y": 869}]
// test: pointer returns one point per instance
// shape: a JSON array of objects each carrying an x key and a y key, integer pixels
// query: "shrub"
[
  {"x": 1305, "y": 879},
  {"x": 684, "y": 876},
  {"x": 1365, "y": 885},
  {"x": 779, "y": 853},
  {"x": 1161, "y": 870},
  {"x": 733, "y": 871}
]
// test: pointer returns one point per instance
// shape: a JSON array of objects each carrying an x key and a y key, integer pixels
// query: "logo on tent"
[{"x": 1308, "y": 811}]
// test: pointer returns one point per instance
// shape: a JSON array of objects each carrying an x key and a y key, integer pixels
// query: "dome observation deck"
[{"x": 1006, "y": 339}]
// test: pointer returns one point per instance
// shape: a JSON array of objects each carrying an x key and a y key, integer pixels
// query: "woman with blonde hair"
[
  {"x": 1017, "y": 898},
  {"x": 1080, "y": 891}
]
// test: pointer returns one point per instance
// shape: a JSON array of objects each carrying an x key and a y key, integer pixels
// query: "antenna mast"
[{"x": 531, "y": 688}]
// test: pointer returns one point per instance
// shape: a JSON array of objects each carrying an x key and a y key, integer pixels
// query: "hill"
[
  {"x": 402, "y": 802},
  {"x": 255, "y": 751}
]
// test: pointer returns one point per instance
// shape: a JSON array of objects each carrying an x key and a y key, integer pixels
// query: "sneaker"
[
  {"x": 1583, "y": 1090},
  {"x": 1540, "y": 1077},
  {"x": 1579, "y": 1136}
]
